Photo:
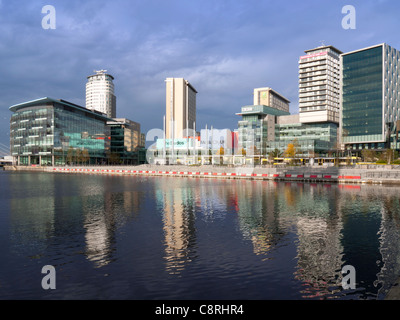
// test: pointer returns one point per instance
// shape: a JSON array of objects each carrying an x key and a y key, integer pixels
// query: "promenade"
[{"x": 364, "y": 174}]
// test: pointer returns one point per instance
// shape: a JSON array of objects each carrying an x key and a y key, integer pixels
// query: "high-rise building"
[
  {"x": 180, "y": 108},
  {"x": 270, "y": 98},
  {"x": 319, "y": 85},
  {"x": 100, "y": 93},
  {"x": 370, "y": 98}
]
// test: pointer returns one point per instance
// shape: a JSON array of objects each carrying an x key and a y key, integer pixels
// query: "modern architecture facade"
[
  {"x": 126, "y": 145},
  {"x": 57, "y": 132},
  {"x": 180, "y": 108},
  {"x": 370, "y": 98},
  {"x": 257, "y": 127},
  {"x": 269, "y": 97},
  {"x": 262, "y": 131},
  {"x": 319, "y": 85},
  {"x": 54, "y": 132},
  {"x": 100, "y": 93}
]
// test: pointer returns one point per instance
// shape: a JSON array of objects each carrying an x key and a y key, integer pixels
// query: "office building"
[
  {"x": 180, "y": 108},
  {"x": 263, "y": 130},
  {"x": 370, "y": 99},
  {"x": 57, "y": 132},
  {"x": 270, "y": 98},
  {"x": 126, "y": 145},
  {"x": 257, "y": 127},
  {"x": 100, "y": 93},
  {"x": 319, "y": 85}
]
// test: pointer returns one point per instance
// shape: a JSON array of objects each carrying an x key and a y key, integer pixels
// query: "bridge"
[{"x": 5, "y": 155}]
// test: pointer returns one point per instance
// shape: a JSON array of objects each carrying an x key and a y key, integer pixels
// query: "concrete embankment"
[{"x": 377, "y": 175}]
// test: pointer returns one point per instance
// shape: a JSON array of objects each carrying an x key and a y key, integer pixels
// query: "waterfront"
[{"x": 160, "y": 237}]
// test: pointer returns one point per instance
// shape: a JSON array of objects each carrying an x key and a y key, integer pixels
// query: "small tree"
[
  {"x": 70, "y": 155},
  {"x": 78, "y": 156},
  {"x": 275, "y": 154},
  {"x": 290, "y": 151},
  {"x": 221, "y": 152},
  {"x": 85, "y": 156},
  {"x": 368, "y": 155}
]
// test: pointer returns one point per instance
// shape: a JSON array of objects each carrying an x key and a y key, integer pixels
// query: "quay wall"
[{"x": 376, "y": 175}]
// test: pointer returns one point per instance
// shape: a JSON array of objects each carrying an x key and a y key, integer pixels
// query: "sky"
[{"x": 224, "y": 48}]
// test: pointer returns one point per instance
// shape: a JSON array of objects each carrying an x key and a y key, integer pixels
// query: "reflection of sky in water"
[{"x": 161, "y": 237}]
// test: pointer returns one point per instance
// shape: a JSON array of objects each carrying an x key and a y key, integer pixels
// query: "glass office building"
[
  {"x": 264, "y": 129},
  {"x": 257, "y": 127},
  {"x": 370, "y": 99},
  {"x": 126, "y": 146},
  {"x": 56, "y": 132},
  {"x": 312, "y": 138}
]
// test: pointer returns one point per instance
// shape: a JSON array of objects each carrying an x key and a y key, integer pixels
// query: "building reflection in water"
[
  {"x": 178, "y": 222},
  {"x": 258, "y": 217},
  {"x": 328, "y": 225},
  {"x": 32, "y": 218},
  {"x": 319, "y": 247},
  {"x": 60, "y": 208},
  {"x": 105, "y": 212}
]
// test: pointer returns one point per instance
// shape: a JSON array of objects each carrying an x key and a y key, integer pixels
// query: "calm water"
[{"x": 121, "y": 237}]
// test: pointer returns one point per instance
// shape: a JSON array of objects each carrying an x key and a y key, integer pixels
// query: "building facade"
[
  {"x": 57, "y": 132},
  {"x": 100, "y": 93},
  {"x": 370, "y": 98},
  {"x": 257, "y": 128},
  {"x": 268, "y": 97},
  {"x": 180, "y": 108},
  {"x": 126, "y": 145},
  {"x": 319, "y": 85}
]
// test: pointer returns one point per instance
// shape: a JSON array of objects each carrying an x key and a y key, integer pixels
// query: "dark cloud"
[{"x": 224, "y": 48}]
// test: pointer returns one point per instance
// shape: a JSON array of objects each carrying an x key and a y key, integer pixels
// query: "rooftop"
[{"x": 47, "y": 100}]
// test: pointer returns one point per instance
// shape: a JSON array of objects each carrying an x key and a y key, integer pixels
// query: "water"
[{"x": 133, "y": 237}]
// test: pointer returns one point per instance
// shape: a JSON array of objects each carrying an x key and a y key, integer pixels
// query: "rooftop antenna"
[{"x": 322, "y": 43}]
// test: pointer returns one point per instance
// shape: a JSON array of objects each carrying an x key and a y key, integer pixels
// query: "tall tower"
[
  {"x": 319, "y": 85},
  {"x": 370, "y": 98},
  {"x": 100, "y": 93},
  {"x": 180, "y": 107}
]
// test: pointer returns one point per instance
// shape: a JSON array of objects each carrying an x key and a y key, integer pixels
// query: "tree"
[
  {"x": 290, "y": 151},
  {"x": 78, "y": 156},
  {"x": 114, "y": 158},
  {"x": 275, "y": 154},
  {"x": 85, "y": 156},
  {"x": 221, "y": 153},
  {"x": 70, "y": 155},
  {"x": 368, "y": 155}
]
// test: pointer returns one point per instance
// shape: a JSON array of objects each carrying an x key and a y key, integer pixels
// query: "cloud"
[{"x": 225, "y": 48}]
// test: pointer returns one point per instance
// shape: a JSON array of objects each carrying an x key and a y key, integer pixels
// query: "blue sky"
[{"x": 225, "y": 48}]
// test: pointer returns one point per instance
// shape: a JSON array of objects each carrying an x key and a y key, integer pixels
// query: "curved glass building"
[{"x": 57, "y": 132}]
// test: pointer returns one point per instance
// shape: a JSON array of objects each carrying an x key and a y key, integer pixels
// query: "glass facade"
[
  {"x": 311, "y": 131},
  {"x": 125, "y": 142},
  {"x": 47, "y": 131},
  {"x": 362, "y": 98},
  {"x": 254, "y": 129}
]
